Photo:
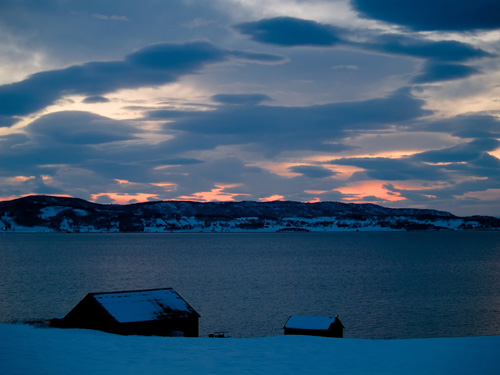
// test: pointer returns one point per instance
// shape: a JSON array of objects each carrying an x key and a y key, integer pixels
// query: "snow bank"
[{"x": 28, "y": 350}]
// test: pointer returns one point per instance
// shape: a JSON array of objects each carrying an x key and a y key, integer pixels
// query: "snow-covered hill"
[{"x": 59, "y": 214}]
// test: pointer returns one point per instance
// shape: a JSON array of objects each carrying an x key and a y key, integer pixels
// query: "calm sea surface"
[{"x": 382, "y": 285}]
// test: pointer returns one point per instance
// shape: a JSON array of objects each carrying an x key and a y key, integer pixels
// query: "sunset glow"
[
  {"x": 272, "y": 198},
  {"x": 216, "y": 194},
  {"x": 365, "y": 190},
  {"x": 21, "y": 178}
]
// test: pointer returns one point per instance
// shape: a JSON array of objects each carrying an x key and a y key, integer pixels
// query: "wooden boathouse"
[{"x": 150, "y": 312}]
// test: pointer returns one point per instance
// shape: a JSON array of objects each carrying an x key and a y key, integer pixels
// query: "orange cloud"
[
  {"x": 367, "y": 189},
  {"x": 315, "y": 191},
  {"x": 274, "y": 197},
  {"x": 167, "y": 186},
  {"x": 315, "y": 200},
  {"x": 21, "y": 178},
  {"x": 163, "y": 184},
  {"x": 216, "y": 194},
  {"x": 279, "y": 168},
  {"x": 495, "y": 153}
]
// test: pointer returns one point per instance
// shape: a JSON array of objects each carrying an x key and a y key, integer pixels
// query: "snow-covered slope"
[
  {"x": 56, "y": 214},
  {"x": 25, "y": 350}
]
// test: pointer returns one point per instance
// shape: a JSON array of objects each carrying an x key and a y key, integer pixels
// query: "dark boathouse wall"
[
  {"x": 336, "y": 329},
  {"x": 314, "y": 332},
  {"x": 90, "y": 314}
]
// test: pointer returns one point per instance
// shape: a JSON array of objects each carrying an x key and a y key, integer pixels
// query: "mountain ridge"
[{"x": 45, "y": 213}]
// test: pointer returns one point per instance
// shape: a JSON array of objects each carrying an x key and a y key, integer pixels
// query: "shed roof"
[
  {"x": 143, "y": 305},
  {"x": 309, "y": 322}
]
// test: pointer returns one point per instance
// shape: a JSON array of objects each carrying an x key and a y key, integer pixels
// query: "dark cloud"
[
  {"x": 100, "y": 149},
  {"x": 13, "y": 140},
  {"x": 466, "y": 126},
  {"x": 248, "y": 182},
  {"x": 415, "y": 196},
  {"x": 372, "y": 198},
  {"x": 328, "y": 196},
  {"x": 465, "y": 152},
  {"x": 241, "y": 99},
  {"x": 469, "y": 160},
  {"x": 76, "y": 127},
  {"x": 218, "y": 171},
  {"x": 449, "y": 50},
  {"x": 457, "y": 15},
  {"x": 176, "y": 59},
  {"x": 436, "y": 72},
  {"x": 312, "y": 171},
  {"x": 388, "y": 169},
  {"x": 150, "y": 66},
  {"x": 104, "y": 199},
  {"x": 286, "y": 31},
  {"x": 452, "y": 196},
  {"x": 489, "y": 163},
  {"x": 329, "y": 118},
  {"x": 178, "y": 161},
  {"x": 32, "y": 185},
  {"x": 273, "y": 129},
  {"x": 24, "y": 154},
  {"x": 442, "y": 56},
  {"x": 95, "y": 99},
  {"x": 289, "y": 31}
]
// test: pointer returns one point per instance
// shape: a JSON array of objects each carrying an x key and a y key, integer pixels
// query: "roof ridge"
[{"x": 130, "y": 291}]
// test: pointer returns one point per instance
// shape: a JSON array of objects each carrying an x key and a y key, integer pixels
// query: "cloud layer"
[{"x": 235, "y": 100}]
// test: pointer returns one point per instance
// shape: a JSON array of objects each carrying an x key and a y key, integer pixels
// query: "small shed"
[
  {"x": 151, "y": 312},
  {"x": 314, "y": 326}
]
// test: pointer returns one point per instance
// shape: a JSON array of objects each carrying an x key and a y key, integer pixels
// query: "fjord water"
[{"x": 381, "y": 284}]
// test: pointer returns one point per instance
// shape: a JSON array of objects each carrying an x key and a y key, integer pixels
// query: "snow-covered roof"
[
  {"x": 143, "y": 305},
  {"x": 309, "y": 322}
]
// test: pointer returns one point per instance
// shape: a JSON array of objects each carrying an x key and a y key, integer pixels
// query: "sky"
[{"x": 386, "y": 102}]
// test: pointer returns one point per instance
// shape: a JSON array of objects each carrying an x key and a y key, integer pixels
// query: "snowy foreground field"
[{"x": 29, "y": 350}]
